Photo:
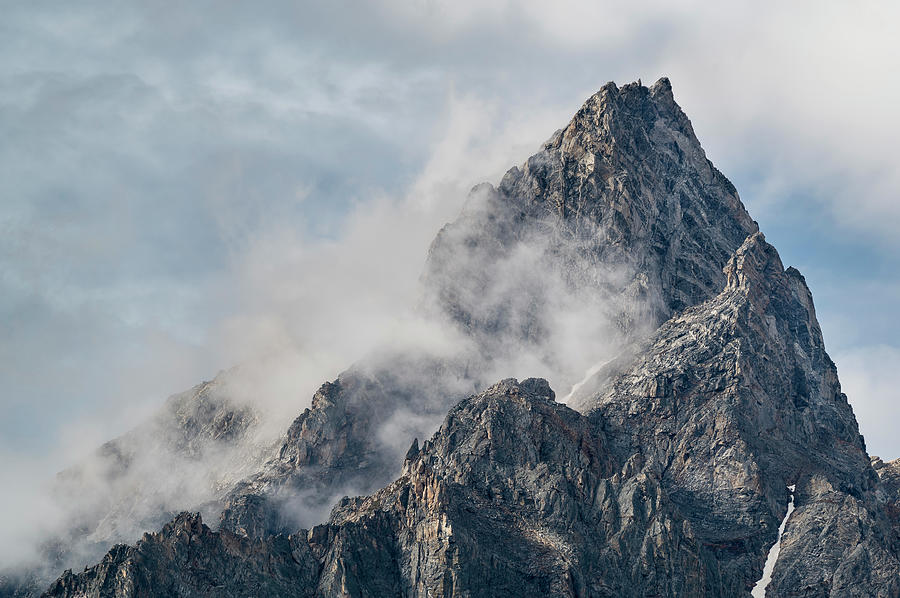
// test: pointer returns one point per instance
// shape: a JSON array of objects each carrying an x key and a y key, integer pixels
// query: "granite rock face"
[{"x": 707, "y": 392}]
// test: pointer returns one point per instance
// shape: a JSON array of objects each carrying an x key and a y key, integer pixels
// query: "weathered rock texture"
[
  {"x": 623, "y": 200},
  {"x": 351, "y": 440},
  {"x": 732, "y": 401},
  {"x": 711, "y": 393},
  {"x": 515, "y": 495}
]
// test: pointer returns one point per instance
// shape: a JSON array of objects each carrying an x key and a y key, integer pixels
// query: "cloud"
[
  {"x": 293, "y": 307},
  {"x": 870, "y": 376}
]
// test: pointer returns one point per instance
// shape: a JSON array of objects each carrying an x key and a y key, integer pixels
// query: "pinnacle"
[
  {"x": 753, "y": 261},
  {"x": 530, "y": 387},
  {"x": 612, "y": 102},
  {"x": 662, "y": 90}
]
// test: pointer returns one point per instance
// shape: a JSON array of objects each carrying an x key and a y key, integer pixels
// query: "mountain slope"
[
  {"x": 514, "y": 495},
  {"x": 127, "y": 486},
  {"x": 734, "y": 400}
]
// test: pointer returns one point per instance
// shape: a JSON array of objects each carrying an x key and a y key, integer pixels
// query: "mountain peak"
[
  {"x": 662, "y": 88},
  {"x": 632, "y": 100},
  {"x": 625, "y": 183},
  {"x": 754, "y": 261}
]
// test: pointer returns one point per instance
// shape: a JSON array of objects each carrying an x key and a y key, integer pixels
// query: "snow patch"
[
  {"x": 587, "y": 376},
  {"x": 759, "y": 590}
]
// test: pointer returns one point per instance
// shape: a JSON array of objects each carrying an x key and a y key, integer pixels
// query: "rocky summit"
[{"x": 697, "y": 390}]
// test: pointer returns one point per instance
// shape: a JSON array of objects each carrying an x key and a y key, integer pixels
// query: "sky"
[{"x": 185, "y": 187}]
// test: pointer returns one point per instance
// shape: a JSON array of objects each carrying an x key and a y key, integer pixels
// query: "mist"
[{"x": 307, "y": 308}]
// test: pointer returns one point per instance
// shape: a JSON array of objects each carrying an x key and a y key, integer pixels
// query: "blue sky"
[{"x": 184, "y": 187}]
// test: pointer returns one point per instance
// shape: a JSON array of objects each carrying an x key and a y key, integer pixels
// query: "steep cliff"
[{"x": 734, "y": 400}]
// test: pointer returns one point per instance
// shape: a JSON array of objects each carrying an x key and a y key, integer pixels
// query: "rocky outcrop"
[
  {"x": 889, "y": 474},
  {"x": 351, "y": 440},
  {"x": 187, "y": 559},
  {"x": 515, "y": 495},
  {"x": 734, "y": 400}
]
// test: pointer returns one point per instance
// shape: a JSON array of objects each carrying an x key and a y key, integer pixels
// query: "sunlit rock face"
[{"x": 621, "y": 264}]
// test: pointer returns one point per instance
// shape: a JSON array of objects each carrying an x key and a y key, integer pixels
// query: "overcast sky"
[{"x": 185, "y": 187}]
